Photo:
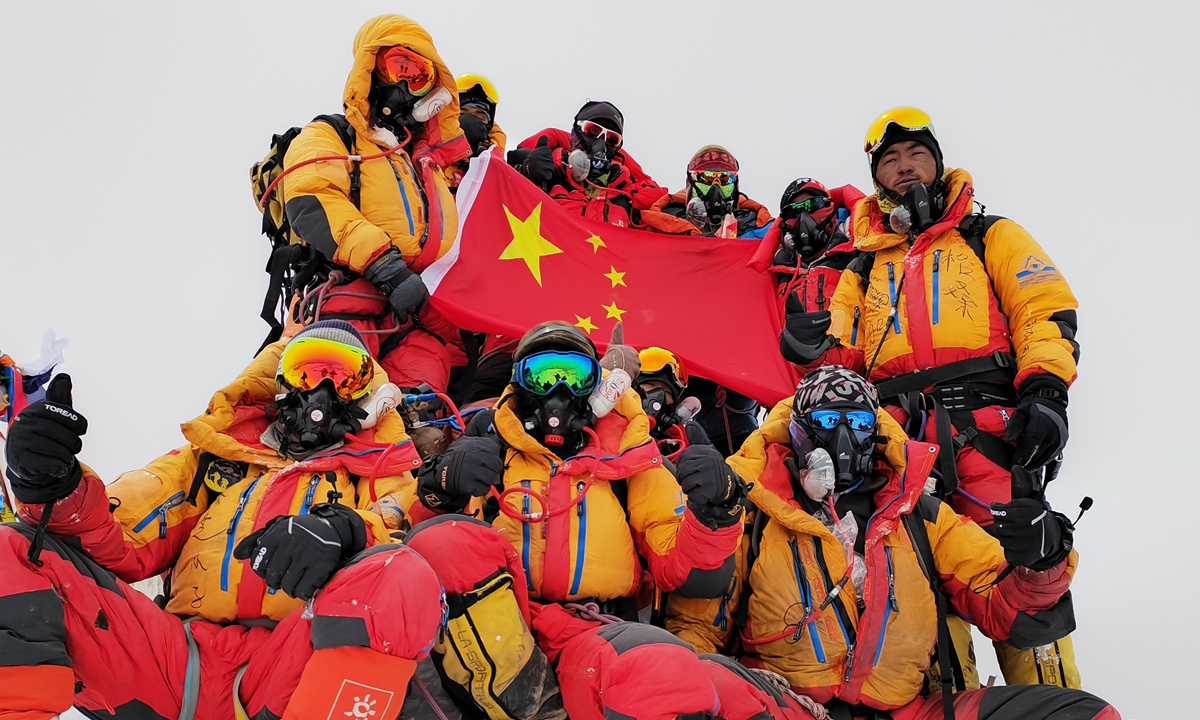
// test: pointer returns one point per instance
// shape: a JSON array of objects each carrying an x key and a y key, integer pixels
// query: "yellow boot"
[{"x": 1052, "y": 664}]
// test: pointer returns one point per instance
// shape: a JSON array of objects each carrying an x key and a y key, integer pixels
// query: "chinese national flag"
[{"x": 521, "y": 259}]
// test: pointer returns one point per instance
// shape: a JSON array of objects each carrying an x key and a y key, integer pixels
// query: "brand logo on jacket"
[
  {"x": 360, "y": 702},
  {"x": 1036, "y": 272}
]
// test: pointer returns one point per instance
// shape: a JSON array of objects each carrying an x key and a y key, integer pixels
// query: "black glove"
[
  {"x": 404, "y": 289},
  {"x": 540, "y": 165},
  {"x": 715, "y": 493},
  {"x": 470, "y": 467},
  {"x": 1032, "y": 535},
  {"x": 476, "y": 132},
  {"x": 299, "y": 553},
  {"x": 805, "y": 336},
  {"x": 1039, "y": 426},
  {"x": 42, "y": 444}
]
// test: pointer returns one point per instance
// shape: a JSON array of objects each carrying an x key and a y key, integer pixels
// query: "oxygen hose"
[{"x": 266, "y": 196}]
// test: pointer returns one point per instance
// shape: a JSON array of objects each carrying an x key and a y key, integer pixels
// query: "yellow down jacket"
[
  {"x": 187, "y": 510},
  {"x": 404, "y": 199},
  {"x": 877, "y": 654},
  {"x": 611, "y": 510},
  {"x": 950, "y": 306}
]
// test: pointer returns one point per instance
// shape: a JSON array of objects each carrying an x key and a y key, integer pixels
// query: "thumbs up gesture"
[{"x": 42, "y": 444}]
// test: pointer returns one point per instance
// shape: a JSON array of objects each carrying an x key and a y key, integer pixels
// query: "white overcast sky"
[{"x": 128, "y": 226}]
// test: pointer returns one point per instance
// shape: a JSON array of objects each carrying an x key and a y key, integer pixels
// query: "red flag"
[{"x": 520, "y": 259}]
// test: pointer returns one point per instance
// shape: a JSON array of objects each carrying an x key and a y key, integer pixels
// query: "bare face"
[{"x": 905, "y": 164}]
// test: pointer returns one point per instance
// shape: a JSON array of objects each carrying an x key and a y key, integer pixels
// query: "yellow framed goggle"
[
  {"x": 909, "y": 119},
  {"x": 470, "y": 80},
  {"x": 656, "y": 359}
]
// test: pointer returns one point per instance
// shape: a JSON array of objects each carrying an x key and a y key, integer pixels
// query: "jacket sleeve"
[
  {"x": 1025, "y": 609},
  {"x": 848, "y": 299},
  {"x": 642, "y": 189},
  {"x": 1037, "y": 301},
  {"x": 683, "y": 555},
  {"x": 317, "y": 201},
  {"x": 709, "y": 623},
  {"x": 136, "y": 526}
]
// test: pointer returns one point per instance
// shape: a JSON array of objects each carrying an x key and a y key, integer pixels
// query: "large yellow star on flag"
[
  {"x": 585, "y": 323},
  {"x": 527, "y": 243},
  {"x": 617, "y": 278},
  {"x": 613, "y": 311},
  {"x": 596, "y": 242}
]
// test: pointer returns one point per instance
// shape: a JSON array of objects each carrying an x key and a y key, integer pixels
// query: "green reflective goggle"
[
  {"x": 706, "y": 179},
  {"x": 541, "y": 373}
]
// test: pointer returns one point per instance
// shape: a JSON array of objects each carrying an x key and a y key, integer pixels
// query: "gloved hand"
[
  {"x": 299, "y": 553},
  {"x": 475, "y": 131},
  {"x": 42, "y": 444},
  {"x": 469, "y": 468},
  {"x": 715, "y": 493},
  {"x": 819, "y": 478},
  {"x": 697, "y": 213},
  {"x": 1039, "y": 426},
  {"x": 542, "y": 164},
  {"x": 805, "y": 335},
  {"x": 404, "y": 289},
  {"x": 1032, "y": 535}
]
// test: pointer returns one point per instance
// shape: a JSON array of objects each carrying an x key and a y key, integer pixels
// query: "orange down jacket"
[{"x": 876, "y": 655}]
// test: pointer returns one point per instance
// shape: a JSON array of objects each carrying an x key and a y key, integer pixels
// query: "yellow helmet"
[
  {"x": 662, "y": 364},
  {"x": 902, "y": 123},
  {"x": 468, "y": 82}
]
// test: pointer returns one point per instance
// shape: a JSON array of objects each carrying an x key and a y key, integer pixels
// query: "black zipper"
[
  {"x": 821, "y": 292},
  {"x": 839, "y": 608}
]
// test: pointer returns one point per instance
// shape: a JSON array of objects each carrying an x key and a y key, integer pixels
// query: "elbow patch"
[
  {"x": 708, "y": 584},
  {"x": 1068, "y": 324},
  {"x": 1030, "y": 630},
  {"x": 309, "y": 221}
]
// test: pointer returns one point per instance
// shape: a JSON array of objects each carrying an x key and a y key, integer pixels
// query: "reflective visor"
[
  {"x": 398, "y": 63},
  {"x": 656, "y": 359},
  {"x": 808, "y": 205},
  {"x": 706, "y": 179},
  {"x": 910, "y": 119},
  {"x": 592, "y": 130},
  {"x": 307, "y": 361},
  {"x": 857, "y": 420},
  {"x": 541, "y": 373}
]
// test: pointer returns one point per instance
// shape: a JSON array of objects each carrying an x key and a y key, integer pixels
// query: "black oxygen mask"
[
  {"x": 806, "y": 236},
  {"x": 556, "y": 420},
  {"x": 717, "y": 205},
  {"x": 314, "y": 420},
  {"x": 392, "y": 107}
]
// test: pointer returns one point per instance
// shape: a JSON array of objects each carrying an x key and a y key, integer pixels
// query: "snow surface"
[{"x": 129, "y": 227}]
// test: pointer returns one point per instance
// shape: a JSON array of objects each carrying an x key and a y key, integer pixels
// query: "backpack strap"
[
  {"x": 346, "y": 132},
  {"x": 951, "y": 676},
  {"x": 756, "y": 535},
  {"x": 862, "y": 265},
  {"x": 974, "y": 229}
]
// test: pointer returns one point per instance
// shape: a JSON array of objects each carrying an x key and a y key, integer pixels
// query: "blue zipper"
[
  {"x": 525, "y": 535},
  {"x": 231, "y": 534},
  {"x": 580, "y": 541},
  {"x": 161, "y": 512},
  {"x": 892, "y": 605},
  {"x": 308, "y": 496},
  {"x": 806, "y": 598},
  {"x": 722, "y": 619},
  {"x": 892, "y": 295},
  {"x": 412, "y": 229},
  {"x": 937, "y": 261},
  {"x": 854, "y": 330}
]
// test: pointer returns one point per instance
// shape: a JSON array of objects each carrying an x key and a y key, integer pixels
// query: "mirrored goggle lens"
[
  {"x": 594, "y": 130},
  {"x": 808, "y": 205},
  {"x": 654, "y": 360},
  {"x": 541, "y": 373},
  {"x": 308, "y": 361},
  {"x": 908, "y": 118},
  {"x": 398, "y": 64},
  {"x": 716, "y": 177},
  {"x": 858, "y": 420},
  {"x": 703, "y": 188}
]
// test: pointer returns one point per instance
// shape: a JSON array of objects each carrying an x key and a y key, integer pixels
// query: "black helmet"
[{"x": 555, "y": 335}]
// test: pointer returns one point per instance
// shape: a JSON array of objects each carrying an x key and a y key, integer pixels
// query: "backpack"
[{"x": 292, "y": 263}]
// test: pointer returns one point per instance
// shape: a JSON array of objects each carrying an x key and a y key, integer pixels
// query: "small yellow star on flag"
[
  {"x": 527, "y": 243},
  {"x": 585, "y": 323},
  {"x": 617, "y": 278},
  {"x": 596, "y": 242},
  {"x": 614, "y": 311}
]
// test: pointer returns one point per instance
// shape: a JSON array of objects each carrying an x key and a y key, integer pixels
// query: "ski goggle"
[
  {"x": 656, "y": 360},
  {"x": 909, "y": 119},
  {"x": 541, "y": 373},
  {"x": 470, "y": 81},
  {"x": 592, "y": 131},
  {"x": 706, "y": 179},
  {"x": 808, "y": 205},
  {"x": 307, "y": 361},
  {"x": 857, "y": 420},
  {"x": 397, "y": 63}
]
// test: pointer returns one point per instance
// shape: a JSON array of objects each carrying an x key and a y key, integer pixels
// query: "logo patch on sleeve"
[{"x": 1036, "y": 272}]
